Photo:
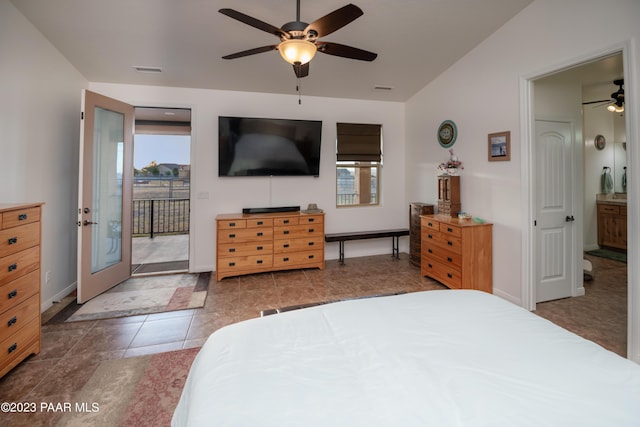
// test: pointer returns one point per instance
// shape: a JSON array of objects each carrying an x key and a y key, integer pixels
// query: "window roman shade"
[{"x": 359, "y": 142}]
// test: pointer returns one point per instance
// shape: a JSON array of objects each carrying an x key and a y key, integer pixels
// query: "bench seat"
[{"x": 362, "y": 235}]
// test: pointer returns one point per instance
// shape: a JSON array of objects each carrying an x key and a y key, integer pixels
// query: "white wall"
[
  {"x": 481, "y": 93},
  {"x": 212, "y": 195},
  {"x": 40, "y": 124}
]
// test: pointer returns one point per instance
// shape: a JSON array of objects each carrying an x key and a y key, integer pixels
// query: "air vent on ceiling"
[
  {"x": 382, "y": 88},
  {"x": 143, "y": 69}
]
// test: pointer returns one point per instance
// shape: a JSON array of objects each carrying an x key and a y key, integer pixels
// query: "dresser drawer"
[
  {"x": 19, "y": 264},
  {"x": 17, "y": 239},
  {"x": 250, "y": 262},
  {"x": 295, "y": 231},
  {"x": 297, "y": 258},
  {"x": 311, "y": 219},
  {"x": 439, "y": 254},
  {"x": 245, "y": 235},
  {"x": 444, "y": 240},
  {"x": 17, "y": 291},
  {"x": 450, "y": 230},
  {"x": 18, "y": 316},
  {"x": 293, "y": 245},
  {"x": 262, "y": 222},
  {"x": 22, "y": 343},
  {"x": 244, "y": 248},
  {"x": 232, "y": 224},
  {"x": 447, "y": 275},
  {"x": 430, "y": 224},
  {"x": 18, "y": 217},
  {"x": 286, "y": 221}
]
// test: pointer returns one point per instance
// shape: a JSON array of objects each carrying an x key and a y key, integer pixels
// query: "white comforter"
[{"x": 435, "y": 358}]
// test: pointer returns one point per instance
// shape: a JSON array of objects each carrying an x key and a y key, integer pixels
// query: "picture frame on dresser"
[{"x": 499, "y": 146}]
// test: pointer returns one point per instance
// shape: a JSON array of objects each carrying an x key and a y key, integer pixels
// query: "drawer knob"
[
  {"x": 311, "y": 256},
  {"x": 449, "y": 242},
  {"x": 430, "y": 250},
  {"x": 286, "y": 221},
  {"x": 232, "y": 236},
  {"x": 286, "y": 245},
  {"x": 232, "y": 249},
  {"x": 260, "y": 222},
  {"x": 450, "y": 230},
  {"x": 429, "y": 236},
  {"x": 232, "y": 264},
  {"x": 13, "y": 347},
  {"x": 232, "y": 224},
  {"x": 449, "y": 275},
  {"x": 259, "y": 261},
  {"x": 285, "y": 232},
  {"x": 22, "y": 217},
  {"x": 259, "y": 248},
  {"x": 13, "y": 294},
  {"x": 259, "y": 234},
  {"x": 430, "y": 224},
  {"x": 449, "y": 259},
  {"x": 311, "y": 219},
  {"x": 13, "y": 240},
  {"x": 12, "y": 267},
  {"x": 311, "y": 230},
  {"x": 12, "y": 321},
  {"x": 285, "y": 259},
  {"x": 430, "y": 266},
  {"x": 311, "y": 243}
]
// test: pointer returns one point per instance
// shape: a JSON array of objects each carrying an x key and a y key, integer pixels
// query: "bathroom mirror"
[{"x": 620, "y": 167}]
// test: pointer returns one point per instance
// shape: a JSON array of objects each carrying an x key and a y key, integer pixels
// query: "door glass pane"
[{"x": 108, "y": 162}]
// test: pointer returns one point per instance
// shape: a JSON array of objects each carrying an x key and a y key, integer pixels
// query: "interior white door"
[
  {"x": 555, "y": 233},
  {"x": 105, "y": 187}
]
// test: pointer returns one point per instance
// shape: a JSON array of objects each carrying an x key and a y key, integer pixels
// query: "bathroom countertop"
[{"x": 612, "y": 198}]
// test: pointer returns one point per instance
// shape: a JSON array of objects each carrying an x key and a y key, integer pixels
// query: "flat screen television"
[{"x": 249, "y": 146}]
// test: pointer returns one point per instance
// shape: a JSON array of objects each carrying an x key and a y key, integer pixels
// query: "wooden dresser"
[
  {"x": 254, "y": 243},
  {"x": 415, "y": 210},
  {"x": 457, "y": 253},
  {"x": 19, "y": 283}
]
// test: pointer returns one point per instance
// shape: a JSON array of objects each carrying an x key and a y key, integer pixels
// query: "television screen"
[{"x": 268, "y": 147}]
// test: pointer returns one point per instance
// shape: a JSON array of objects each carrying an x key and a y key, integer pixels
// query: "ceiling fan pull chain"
[{"x": 299, "y": 92}]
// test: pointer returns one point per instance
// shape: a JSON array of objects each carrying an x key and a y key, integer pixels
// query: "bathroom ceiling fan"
[
  {"x": 299, "y": 41},
  {"x": 616, "y": 103}
]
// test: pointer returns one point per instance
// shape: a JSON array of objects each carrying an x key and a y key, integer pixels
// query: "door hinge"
[
  {"x": 535, "y": 223},
  {"x": 81, "y": 115}
]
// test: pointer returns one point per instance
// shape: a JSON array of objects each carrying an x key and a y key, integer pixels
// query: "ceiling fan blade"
[
  {"x": 344, "y": 51},
  {"x": 250, "y": 52},
  {"x": 596, "y": 102},
  {"x": 256, "y": 23},
  {"x": 334, "y": 20},
  {"x": 301, "y": 70}
]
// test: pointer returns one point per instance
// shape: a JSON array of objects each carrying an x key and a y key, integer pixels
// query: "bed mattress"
[{"x": 433, "y": 358}]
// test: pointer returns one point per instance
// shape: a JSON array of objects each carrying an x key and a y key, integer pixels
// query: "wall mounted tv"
[{"x": 268, "y": 147}]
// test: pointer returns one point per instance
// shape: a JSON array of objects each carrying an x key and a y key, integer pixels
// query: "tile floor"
[{"x": 71, "y": 351}]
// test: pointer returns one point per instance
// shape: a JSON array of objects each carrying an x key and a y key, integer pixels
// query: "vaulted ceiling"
[{"x": 416, "y": 40}]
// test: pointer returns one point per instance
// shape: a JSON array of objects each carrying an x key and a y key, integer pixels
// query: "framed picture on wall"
[{"x": 500, "y": 146}]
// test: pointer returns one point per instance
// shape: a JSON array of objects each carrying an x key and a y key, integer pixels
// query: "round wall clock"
[
  {"x": 599, "y": 142},
  {"x": 447, "y": 133}
]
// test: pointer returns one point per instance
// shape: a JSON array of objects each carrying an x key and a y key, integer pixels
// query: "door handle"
[
  {"x": 569, "y": 218},
  {"x": 87, "y": 222}
]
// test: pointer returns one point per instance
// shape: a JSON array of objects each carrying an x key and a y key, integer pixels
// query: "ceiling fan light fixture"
[
  {"x": 614, "y": 108},
  {"x": 297, "y": 51}
]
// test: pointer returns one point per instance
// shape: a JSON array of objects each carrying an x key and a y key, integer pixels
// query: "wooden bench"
[{"x": 362, "y": 235}]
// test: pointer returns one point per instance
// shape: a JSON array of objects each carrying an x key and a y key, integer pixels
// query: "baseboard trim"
[{"x": 45, "y": 305}]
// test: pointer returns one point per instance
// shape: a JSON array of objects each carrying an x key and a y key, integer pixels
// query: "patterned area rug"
[
  {"x": 139, "y": 295},
  {"x": 137, "y": 391}
]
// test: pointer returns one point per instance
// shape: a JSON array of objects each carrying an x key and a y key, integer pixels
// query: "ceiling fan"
[
  {"x": 299, "y": 40},
  {"x": 616, "y": 103}
]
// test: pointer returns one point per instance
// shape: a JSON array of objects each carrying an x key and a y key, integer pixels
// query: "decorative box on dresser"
[
  {"x": 19, "y": 283},
  {"x": 449, "y": 195},
  {"x": 457, "y": 253},
  {"x": 415, "y": 210},
  {"x": 254, "y": 243}
]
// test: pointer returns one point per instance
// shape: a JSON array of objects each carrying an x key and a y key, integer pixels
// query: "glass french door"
[{"x": 105, "y": 185}]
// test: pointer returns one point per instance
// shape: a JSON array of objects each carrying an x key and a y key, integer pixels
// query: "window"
[{"x": 359, "y": 159}]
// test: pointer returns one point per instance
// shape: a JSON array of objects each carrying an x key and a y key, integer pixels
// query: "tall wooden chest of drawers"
[
  {"x": 449, "y": 195},
  {"x": 457, "y": 253},
  {"x": 19, "y": 283},
  {"x": 415, "y": 210},
  {"x": 254, "y": 243}
]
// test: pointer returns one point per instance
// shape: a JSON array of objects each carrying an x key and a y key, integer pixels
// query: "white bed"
[{"x": 434, "y": 358}]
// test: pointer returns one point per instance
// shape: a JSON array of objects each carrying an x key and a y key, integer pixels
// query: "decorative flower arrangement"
[{"x": 451, "y": 166}]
